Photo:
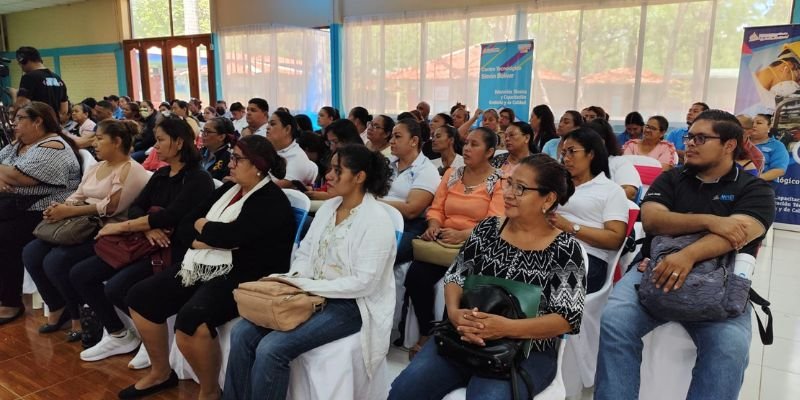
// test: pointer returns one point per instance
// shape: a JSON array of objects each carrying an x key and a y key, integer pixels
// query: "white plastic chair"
[
  {"x": 648, "y": 168},
  {"x": 668, "y": 358},
  {"x": 336, "y": 370},
  {"x": 87, "y": 160},
  {"x": 300, "y": 206},
  {"x": 556, "y": 389},
  {"x": 580, "y": 358}
]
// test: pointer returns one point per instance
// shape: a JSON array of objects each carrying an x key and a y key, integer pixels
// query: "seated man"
[{"x": 708, "y": 195}]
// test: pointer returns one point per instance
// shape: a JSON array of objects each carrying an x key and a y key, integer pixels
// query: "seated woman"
[
  {"x": 414, "y": 182},
  {"x": 41, "y": 167},
  {"x": 622, "y": 171},
  {"x": 241, "y": 233},
  {"x": 439, "y": 120},
  {"x": 652, "y": 143},
  {"x": 447, "y": 143},
  {"x": 146, "y": 138},
  {"x": 776, "y": 157},
  {"x": 570, "y": 121},
  {"x": 218, "y": 136},
  {"x": 750, "y": 160},
  {"x": 507, "y": 116},
  {"x": 361, "y": 118},
  {"x": 83, "y": 134},
  {"x": 379, "y": 132},
  {"x": 174, "y": 189},
  {"x": 107, "y": 190},
  {"x": 465, "y": 196},
  {"x": 597, "y": 214},
  {"x": 180, "y": 108},
  {"x": 544, "y": 126},
  {"x": 526, "y": 249},
  {"x": 519, "y": 143},
  {"x": 491, "y": 120},
  {"x": 339, "y": 134},
  {"x": 326, "y": 116},
  {"x": 346, "y": 257},
  {"x": 318, "y": 152},
  {"x": 283, "y": 131}
]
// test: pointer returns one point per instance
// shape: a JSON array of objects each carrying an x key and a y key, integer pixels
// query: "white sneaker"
[
  {"x": 141, "y": 360},
  {"x": 111, "y": 346}
]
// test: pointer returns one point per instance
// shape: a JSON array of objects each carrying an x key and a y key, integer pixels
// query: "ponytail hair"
[
  {"x": 357, "y": 158},
  {"x": 224, "y": 126},
  {"x": 124, "y": 130}
]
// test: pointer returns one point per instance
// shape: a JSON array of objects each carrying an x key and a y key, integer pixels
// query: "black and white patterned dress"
[{"x": 559, "y": 270}]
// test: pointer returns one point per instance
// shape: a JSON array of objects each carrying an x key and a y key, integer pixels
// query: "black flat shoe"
[
  {"x": 131, "y": 392},
  {"x": 20, "y": 312},
  {"x": 62, "y": 320},
  {"x": 74, "y": 336}
]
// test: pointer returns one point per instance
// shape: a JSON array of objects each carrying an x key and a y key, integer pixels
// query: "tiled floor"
[
  {"x": 34, "y": 366},
  {"x": 774, "y": 371}
]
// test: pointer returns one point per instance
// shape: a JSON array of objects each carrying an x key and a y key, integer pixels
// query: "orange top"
[{"x": 453, "y": 207}]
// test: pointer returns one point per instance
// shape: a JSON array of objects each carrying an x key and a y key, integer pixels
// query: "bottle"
[{"x": 744, "y": 265}]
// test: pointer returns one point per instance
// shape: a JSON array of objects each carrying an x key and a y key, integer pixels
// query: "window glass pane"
[
  {"x": 732, "y": 17},
  {"x": 136, "y": 74},
  {"x": 190, "y": 17},
  {"x": 364, "y": 69},
  {"x": 403, "y": 54},
  {"x": 675, "y": 56},
  {"x": 202, "y": 74},
  {"x": 446, "y": 64},
  {"x": 608, "y": 59},
  {"x": 180, "y": 73},
  {"x": 156, "y": 67},
  {"x": 150, "y": 18},
  {"x": 555, "y": 43}
]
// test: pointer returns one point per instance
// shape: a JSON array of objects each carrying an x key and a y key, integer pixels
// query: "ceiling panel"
[{"x": 12, "y": 6}]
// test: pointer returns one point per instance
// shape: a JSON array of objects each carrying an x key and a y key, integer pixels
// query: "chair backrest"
[
  {"x": 300, "y": 206},
  {"x": 313, "y": 171},
  {"x": 397, "y": 221},
  {"x": 217, "y": 183},
  {"x": 649, "y": 168},
  {"x": 633, "y": 215},
  {"x": 87, "y": 160}
]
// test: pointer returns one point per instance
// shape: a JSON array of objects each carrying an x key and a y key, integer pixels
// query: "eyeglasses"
[
  {"x": 517, "y": 189},
  {"x": 236, "y": 158},
  {"x": 652, "y": 128},
  {"x": 570, "y": 152},
  {"x": 699, "y": 139},
  {"x": 206, "y": 132},
  {"x": 374, "y": 126}
]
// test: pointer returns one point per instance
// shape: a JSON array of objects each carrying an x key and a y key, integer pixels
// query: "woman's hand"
[
  {"x": 198, "y": 245},
  {"x": 199, "y": 224},
  {"x": 432, "y": 232},
  {"x": 557, "y": 221},
  {"x": 56, "y": 212},
  {"x": 111, "y": 229},
  {"x": 489, "y": 326},
  {"x": 458, "y": 317},
  {"x": 157, "y": 237},
  {"x": 453, "y": 236}
]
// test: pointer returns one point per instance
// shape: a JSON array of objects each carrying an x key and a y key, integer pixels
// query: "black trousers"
[
  {"x": 420, "y": 289},
  {"x": 15, "y": 233}
]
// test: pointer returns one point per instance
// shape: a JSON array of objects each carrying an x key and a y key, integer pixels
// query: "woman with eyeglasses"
[
  {"x": 379, "y": 133},
  {"x": 519, "y": 143},
  {"x": 652, "y": 143},
  {"x": 218, "y": 136},
  {"x": 597, "y": 214},
  {"x": 776, "y": 157},
  {"x": 569, "y": 121},
  {"x": 523, "y": 248},
  {"x": 465, "y": 196}
]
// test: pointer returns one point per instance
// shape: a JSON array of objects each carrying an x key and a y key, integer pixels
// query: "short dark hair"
[
  {"x": 332, "y": 112},
  {"x": 388, "y": 125},
  {"x": 726, "y": 126},
  {"x": 304, "y": 122},
  {"x": 488, "y": 137},
  {"x": 288, "y": 120},
  {"x": 345, "y": 131},
  {"x": 260, "y": 103},
  {"x": 551, "y": 176},
  {"x": 237, "y": 107},
  {"x": 527, "y": 130},
  {"x": 593, "y": 143},
  {"x": 509, "y": 111},
  {"x": 112, "y": 97},
  {"x": 357, "y": 158},
  {"x": 105, "y": 104},
  {"x": 414, "y": 129},
  {"x": 601, "y": 113},
  {"x": 634, "y": 118},
  {"x": 448, "y": 120},
  {"x": 663, "y": 124},
  {"x": 263, "y": 155},
  {"x": 89, "y": 101},
  {"x": 224, "y": 126},
  {"x": 452, "y": 133},
  {"x": 26, "y": 54},
  {"x": 702, "y": 105},
  {"x": 361, "y": 114},
  {"x": 577, "y": 118},
  {"x": 176, "y": 127}
]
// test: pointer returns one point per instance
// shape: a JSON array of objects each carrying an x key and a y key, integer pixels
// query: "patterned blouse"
[
  {"x": 559, "y": 270},
  {"x": 57, "y": 171}
]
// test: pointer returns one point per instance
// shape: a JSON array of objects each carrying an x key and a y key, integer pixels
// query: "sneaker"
[
  {"x": 141, "y": 360},
  {"x": 111, "y": 346}
]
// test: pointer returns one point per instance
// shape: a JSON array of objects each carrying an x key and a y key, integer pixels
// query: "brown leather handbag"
[
  {"x": 68, "y": 231},
  {"x": 275, "y": 303},
  {"x": 435, "y": 252}
]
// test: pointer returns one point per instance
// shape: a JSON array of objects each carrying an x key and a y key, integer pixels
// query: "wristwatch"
[{"x": 575, "y": 229}]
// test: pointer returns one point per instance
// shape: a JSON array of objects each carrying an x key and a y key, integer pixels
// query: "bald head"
[{"x": 424, "y": 109}]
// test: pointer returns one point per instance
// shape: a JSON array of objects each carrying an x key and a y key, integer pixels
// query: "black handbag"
[{"x": 498, "y": 359}]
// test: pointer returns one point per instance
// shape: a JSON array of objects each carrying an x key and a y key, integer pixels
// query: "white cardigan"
[{"x": 371, "y": 250}]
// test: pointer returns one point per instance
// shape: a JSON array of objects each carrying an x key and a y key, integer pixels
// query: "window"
[{"x": 161, "y": 18}]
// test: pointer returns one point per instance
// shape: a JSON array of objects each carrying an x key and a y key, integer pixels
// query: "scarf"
[{"x": 205, "y": 264}]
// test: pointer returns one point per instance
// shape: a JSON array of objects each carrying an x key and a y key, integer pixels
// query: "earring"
[
  {"x": 258, "y": 173},
  {"x": 544, "y": 210}
]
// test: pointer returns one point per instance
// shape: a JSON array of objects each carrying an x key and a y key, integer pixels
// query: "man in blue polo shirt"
[
  {"x": 676, "y": 136},
  {"x": 734, "y": 209}
]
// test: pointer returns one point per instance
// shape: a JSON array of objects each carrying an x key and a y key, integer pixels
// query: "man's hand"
[
  {"x": 671, "y": 271},
  {"x": 732, "y": 229}
]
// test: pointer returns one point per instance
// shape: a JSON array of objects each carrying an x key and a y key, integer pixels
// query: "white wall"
[{"x": 305, "y": 13}]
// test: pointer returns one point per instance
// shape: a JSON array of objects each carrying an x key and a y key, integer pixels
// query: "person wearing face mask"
[
  {"x": 779, "y": 79},
  {"x": 147, "y": 138}
]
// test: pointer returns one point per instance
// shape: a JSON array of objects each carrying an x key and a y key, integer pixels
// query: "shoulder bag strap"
[{"x": 766, "y": 334}]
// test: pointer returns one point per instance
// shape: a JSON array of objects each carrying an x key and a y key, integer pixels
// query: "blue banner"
[
  {"x": 505, "y": 77},
  {"x": 769, "y": 83}
]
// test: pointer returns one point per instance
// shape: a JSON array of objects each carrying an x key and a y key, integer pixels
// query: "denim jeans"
[
  {"x": 49, "y": 266},
  {"x": 722, "y": 348},
  {"x": 258, "y": 364},
  {"x": 432, "y": 376}
]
